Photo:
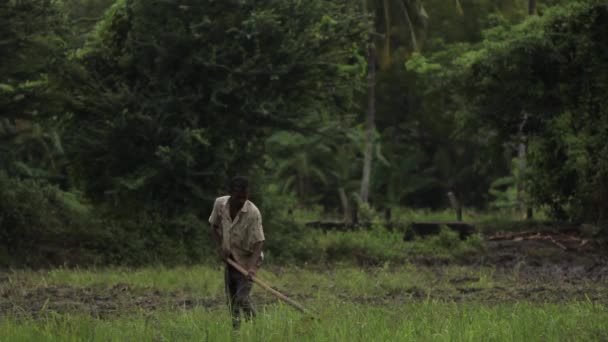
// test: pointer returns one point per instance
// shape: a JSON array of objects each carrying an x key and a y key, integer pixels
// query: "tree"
[
  {"x": 176, "y": 97},
  {"x": 300, "y": 163},
  {"x": 414, "y": 16},
  {"x": 522, "y": 146},
  {"x": 554, "y": 69},
  {"x": 32, "y": 55},
  {"x": 82, "y": 16},
  {"x": 531, "y": 7},
  {"x": 439, "y": 118}
]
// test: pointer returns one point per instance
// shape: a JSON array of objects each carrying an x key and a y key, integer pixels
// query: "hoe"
[{"x": 268, "y": 288}]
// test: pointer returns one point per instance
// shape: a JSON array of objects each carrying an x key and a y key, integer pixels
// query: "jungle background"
[{"x": 121, "y": 121}]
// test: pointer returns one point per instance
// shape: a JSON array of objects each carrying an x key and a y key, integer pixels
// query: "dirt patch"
[
  {"x": 541, "y": 261},
  {"x": 523, "y": 270},
  {"x": 121, "y": 299},
  {"x": 489, "y": 296},
  {"x": 96, "y": 301},
  {"x": 101, "y": 302}
]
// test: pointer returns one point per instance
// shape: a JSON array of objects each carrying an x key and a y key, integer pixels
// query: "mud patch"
[
  {"x": 543, "y": 262},
  {"x": 489, "y": 296},
  {"x": 96, "y": 301},
  {"x": 121, "y": 299},
  {"x": 533, "y": 271}
]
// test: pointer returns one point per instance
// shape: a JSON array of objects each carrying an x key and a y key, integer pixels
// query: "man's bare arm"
[
  {"x": 216, "y": 235},
  {"x": 255, "y": 257}
]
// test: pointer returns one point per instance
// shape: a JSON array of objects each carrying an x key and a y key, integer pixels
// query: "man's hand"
[
  {"x": 224, "y": 253},
  {"x": 251, "y": 272}
]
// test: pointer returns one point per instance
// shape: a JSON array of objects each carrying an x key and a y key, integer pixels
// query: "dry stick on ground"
[
  {"x": 533, "y": 235},
  {"x": 548, "y": 238},
  {"x": 268, "y": 288},
  {"x": 510, "y": 236}
]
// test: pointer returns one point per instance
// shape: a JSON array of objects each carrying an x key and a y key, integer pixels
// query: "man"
[{"x": 237, "y": 229}]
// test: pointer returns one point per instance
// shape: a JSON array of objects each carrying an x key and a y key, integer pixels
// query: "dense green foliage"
[
  {"x": 120, "y": 121},
  {"x": 32, "y": 54},
  {"x": 185, "y": 94},
  {"x": 541, "y": 81},
  {"x": 164, "y": 103},
  {"x": 552, "y": 70}
]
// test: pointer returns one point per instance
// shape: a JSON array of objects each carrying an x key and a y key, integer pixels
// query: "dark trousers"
[{"x": 238, "y": 288}]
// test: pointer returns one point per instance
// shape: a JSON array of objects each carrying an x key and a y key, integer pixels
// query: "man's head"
[{"x": 239, "y": 191}]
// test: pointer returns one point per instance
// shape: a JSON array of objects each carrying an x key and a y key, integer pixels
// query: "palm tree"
[
  {"x": 523, "y": 146},
  {"x": 409, "y": 17},
  {"x": 301, "y": 163},
  {"x": 531, "y": 7}
]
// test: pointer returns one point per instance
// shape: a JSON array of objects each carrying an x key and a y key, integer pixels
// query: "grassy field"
[
  {"x": 388, "y": 303},
  {"x": 364, "y": 285},
  {"x": 422, "y": 321}
]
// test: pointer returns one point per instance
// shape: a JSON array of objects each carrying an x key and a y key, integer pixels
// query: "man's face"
[{"x": 238, "y": 197}]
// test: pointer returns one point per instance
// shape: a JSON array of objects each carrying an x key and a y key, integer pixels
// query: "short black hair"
[{"x": 239, "y": 183}]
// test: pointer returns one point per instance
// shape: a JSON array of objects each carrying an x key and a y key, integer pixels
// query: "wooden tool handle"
[{"x": 268, "y": 288}]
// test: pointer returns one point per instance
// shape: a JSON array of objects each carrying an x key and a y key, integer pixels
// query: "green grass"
[
  {"x": 486, "y": 221},
  {"x": 377, "y": 246},
  {"x": 207, "y": 281},
  {"x": 422, "y": 321},
  {"x": 341, "y": 281},
  {"x": 403, "y": 214},
  {"x": 204, "y": 280},
  {"x": 388, "y": 303}
]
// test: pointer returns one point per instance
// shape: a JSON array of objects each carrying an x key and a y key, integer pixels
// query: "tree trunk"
[
  {"x": 455, "y": 205},
  {"x": 301, "y": 187},
  {"x": 345, "y": 206},
  {"x": 522, "y": 148},
  {"x": 459, "y": 8},
  {"x": 370, "y": 123},
  {"x": 388, "y": 212},
  {"x": 526, "y": 210},
  {"x": 521, "y": 168},
  {"x": 406, "y": 15},
  {"x": 531, "y": 7},
  {"x": 386, "y": 58}
]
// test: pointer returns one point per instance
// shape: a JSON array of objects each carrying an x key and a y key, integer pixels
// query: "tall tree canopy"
[
  {"x": 32, "y": 55},
  {"x": 178, "y": 96},
  {"x": 548, "y": 78}
]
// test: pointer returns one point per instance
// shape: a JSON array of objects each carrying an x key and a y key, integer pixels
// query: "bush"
[
  {"x": 183, "y": 96},
  {"x": 446, "y": 246},
  {"x": 378, "y": 246},
  {"x": 555, "y": 66},
  {"x": 364, "y": 247},
  {"x": 153, "y": 239},
  {"x": 40, "y": 224},
  {"x": 286, "y": 239}
]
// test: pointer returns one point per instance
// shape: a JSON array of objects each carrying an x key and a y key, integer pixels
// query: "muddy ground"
[{"x": 531, "y": 270}]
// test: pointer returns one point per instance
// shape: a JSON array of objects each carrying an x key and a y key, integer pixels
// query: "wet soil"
[
  {"x": 97, "y": 301},
  {"x": 540, "y": 261},
  {"x": 523, "y": 270}
]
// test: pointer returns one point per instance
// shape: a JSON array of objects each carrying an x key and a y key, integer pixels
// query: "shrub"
[{"x": 40, "y": 224}]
